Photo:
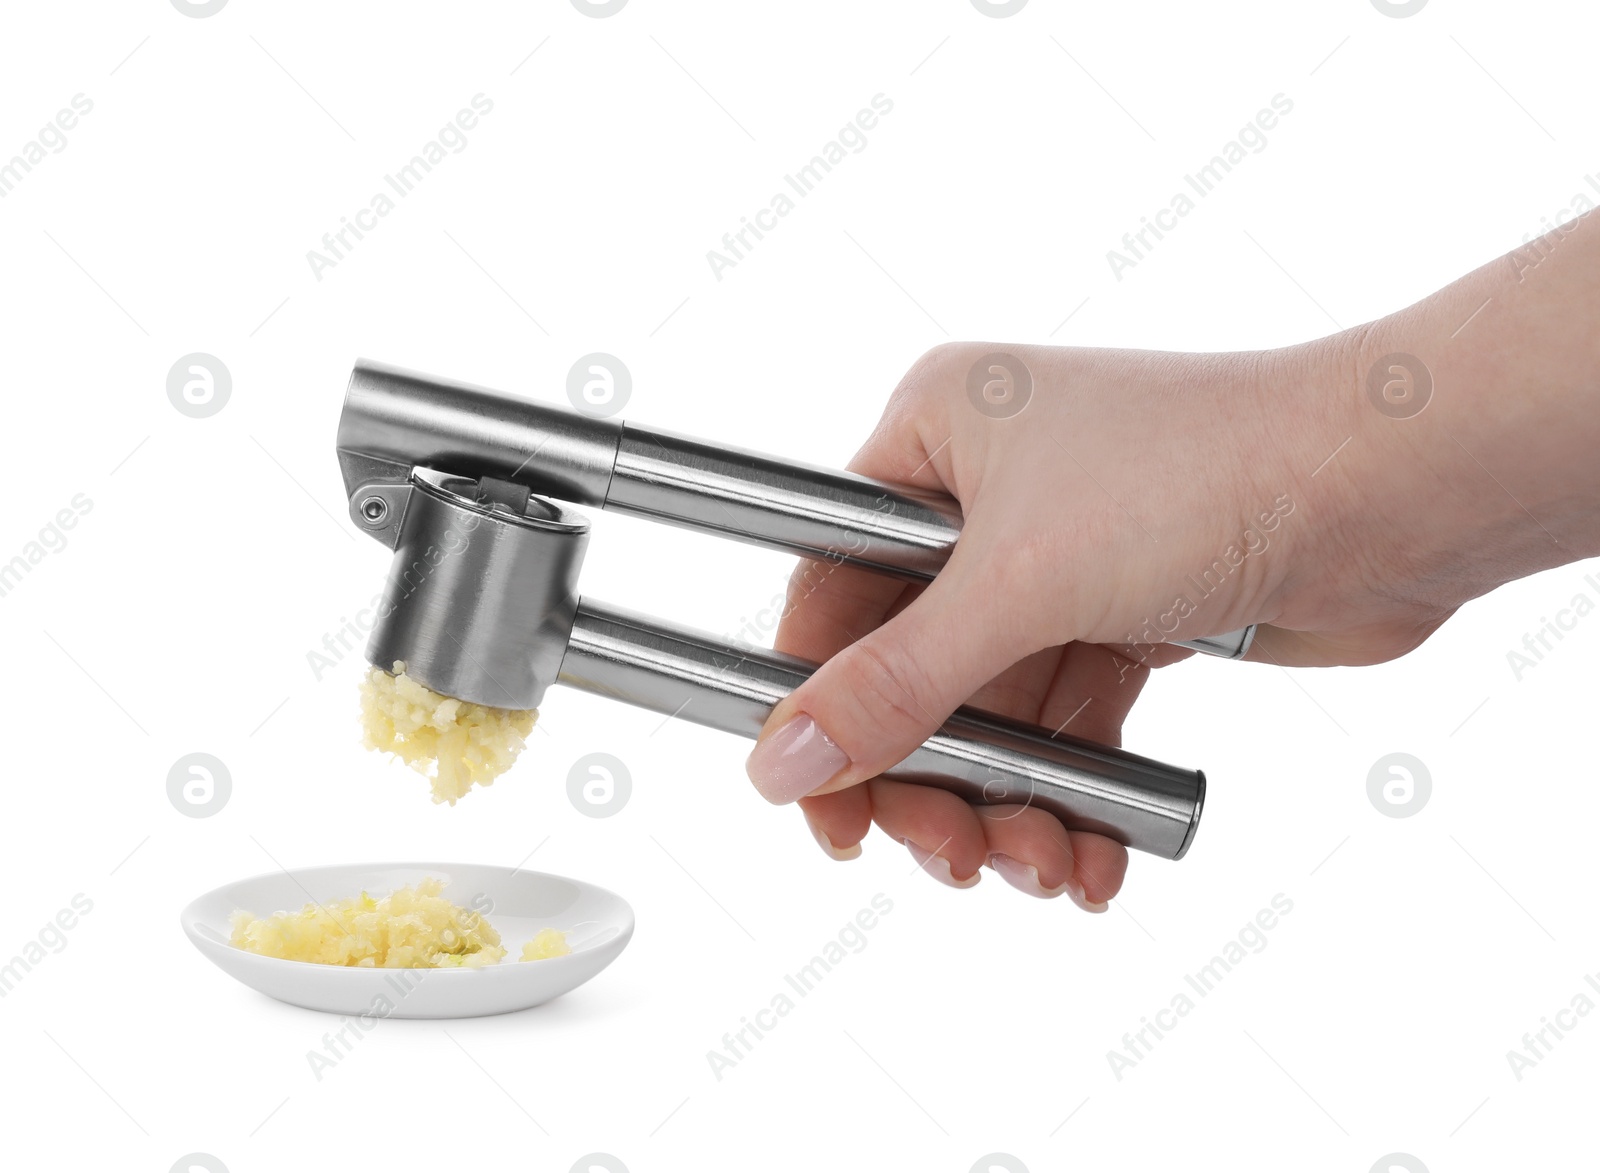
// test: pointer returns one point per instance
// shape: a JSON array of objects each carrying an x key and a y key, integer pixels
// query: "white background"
[{"x": 577, "y": 219}]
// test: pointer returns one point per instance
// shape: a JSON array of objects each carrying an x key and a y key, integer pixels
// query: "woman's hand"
[{"x": 1137, "y": 498}]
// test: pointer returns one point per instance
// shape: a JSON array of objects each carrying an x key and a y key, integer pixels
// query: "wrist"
[{"x": 1473, "y": 420}]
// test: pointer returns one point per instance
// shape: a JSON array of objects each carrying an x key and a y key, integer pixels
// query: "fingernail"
[
  {"x": 793, "y": 761},
  {"x": 1075, "y": 894},
  {"x": 1024, "y": 877},
  {"x": 938, "y": 867},
  {"x": 839, "y": 853}
]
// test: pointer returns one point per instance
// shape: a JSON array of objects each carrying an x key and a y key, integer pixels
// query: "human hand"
[{"x": 1137, "y": 498}]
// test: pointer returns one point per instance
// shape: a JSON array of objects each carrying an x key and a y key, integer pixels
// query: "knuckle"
[
  {"x": 934, "y": 372},
  {"x": 893, "y": 687}
]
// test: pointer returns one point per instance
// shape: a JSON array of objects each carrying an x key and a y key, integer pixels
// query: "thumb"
[{"x": 878, "y": 699}]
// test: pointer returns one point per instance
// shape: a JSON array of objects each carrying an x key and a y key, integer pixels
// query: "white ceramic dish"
[{"x": 518, "y": 903}]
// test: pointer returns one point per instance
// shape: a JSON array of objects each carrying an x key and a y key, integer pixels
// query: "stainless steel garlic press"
[{"x": 467, "y": 485}]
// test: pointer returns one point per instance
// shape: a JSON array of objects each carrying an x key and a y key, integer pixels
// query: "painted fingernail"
[
  {"x": 1075, "y": 894},
  {"x": 1024, "y": 877},
  {"x": 793, "y": 761},
  {"x": 839, "y": 853},
  {"x": 938, "y": 867}
]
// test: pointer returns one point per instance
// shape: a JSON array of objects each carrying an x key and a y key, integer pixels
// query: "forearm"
[{"x": 1497, "y": 474}]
